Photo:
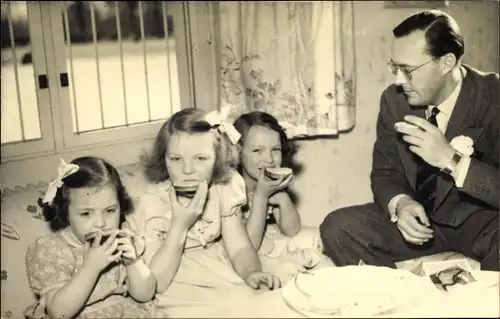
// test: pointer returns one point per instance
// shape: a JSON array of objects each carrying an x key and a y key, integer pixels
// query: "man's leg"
[
  {"x": 492, "y": 260},
  {"x": 477, "y": 238},
  {"x": 364, "y": 232}
]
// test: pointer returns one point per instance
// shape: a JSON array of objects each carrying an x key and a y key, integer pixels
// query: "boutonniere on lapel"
[{"x": 463, "y": 144}]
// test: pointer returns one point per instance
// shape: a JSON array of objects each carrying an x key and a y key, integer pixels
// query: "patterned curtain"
[{"x": 294, "y": 60}]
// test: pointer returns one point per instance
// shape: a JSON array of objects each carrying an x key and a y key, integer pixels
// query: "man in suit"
[{"x": 435, "y": 160}]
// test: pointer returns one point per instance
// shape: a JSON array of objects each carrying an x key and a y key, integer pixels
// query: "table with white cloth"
[{"x": 406, "y": 296}]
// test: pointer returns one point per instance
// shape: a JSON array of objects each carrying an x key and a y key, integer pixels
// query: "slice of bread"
[{"x": 277, "y": 172}]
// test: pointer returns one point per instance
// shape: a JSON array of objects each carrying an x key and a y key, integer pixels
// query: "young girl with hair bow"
[
  {"x": 88, "y": 268},
  {"x": 285, "y": 246},
  {"x": 190, "y": 217}
]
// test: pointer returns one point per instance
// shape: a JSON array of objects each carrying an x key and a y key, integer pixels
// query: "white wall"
[{"x": 336, "y": 170}]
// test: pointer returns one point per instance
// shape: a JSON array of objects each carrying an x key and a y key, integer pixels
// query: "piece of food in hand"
[
  {"x": 139, "y": 244},
  {"x": 90, "y": 237},
  {"x": 277, "y": 172},
  {"x": 185, "y": 190},
  {"x": 137, "y": 240}
]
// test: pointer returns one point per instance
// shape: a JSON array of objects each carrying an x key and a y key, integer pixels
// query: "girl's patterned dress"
[
  {"x": 205, "y": 275},
  {"x": 52, "y": 260},
  {"x": 285, "y": 256}
]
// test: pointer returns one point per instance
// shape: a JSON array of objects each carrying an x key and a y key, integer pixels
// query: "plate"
[{"x": 354, "y": 291}]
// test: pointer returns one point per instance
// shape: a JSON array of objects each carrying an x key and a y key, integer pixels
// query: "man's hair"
[{"x": 441, "y": 32}]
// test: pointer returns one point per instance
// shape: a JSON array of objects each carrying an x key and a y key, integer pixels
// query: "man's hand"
[
  {"x": 409, "y": 213},
  {"x": 426, "y": 140}
]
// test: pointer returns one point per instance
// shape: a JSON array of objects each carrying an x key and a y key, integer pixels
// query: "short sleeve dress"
[
  {"x": 205, "y": 274},
  {"x": 52, "y": 260},
  {"x": 285, "y": 256}
]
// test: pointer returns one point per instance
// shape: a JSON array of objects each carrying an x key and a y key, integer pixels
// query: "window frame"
[
  {"x": 62, "y": 113},
  {"x": 39, "y": 42}
]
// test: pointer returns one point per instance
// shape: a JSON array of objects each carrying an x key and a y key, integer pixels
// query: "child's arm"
[
  {"x": 165, "y": 262},
  {"x": 65, "y": 292},
  {"x": 286, "y": 216},
  {"x": 256, "y": 223},
  {"x": 67, "y": 301},
  {"x": 241, "y": 253},
  {"x": 162, "y": 256},
  {"x": 142, "y": 282},
  {"x": 239, "y": 247}
]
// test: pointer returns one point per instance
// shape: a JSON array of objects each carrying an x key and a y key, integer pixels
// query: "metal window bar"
[
  {"x": 122, "y": 66},
  {"x": 101, "y": 56},
  {"x": 71, "y": 65},
  {"x": 96, "y": 50},
  {"x": 16, "y": 71},
  {"x": 144, "y": 55},
  {"x": 189, "y": 47},
  {"x": 164, "y": 13}
]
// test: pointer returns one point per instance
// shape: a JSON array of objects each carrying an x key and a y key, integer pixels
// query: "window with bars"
[
  {"x": 80, "y": 73},
  {"x": 18, "y": 92}
]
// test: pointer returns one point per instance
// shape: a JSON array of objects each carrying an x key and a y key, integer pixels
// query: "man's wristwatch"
[{"x": 452, "y": 165}]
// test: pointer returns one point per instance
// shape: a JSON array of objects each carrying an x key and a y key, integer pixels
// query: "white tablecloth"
[{"x": 478, "y": 299}]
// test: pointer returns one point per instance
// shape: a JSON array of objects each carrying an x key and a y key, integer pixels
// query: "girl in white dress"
[
  {"x": 272, "y": 220},
  {"x": 190, "y": 216}
]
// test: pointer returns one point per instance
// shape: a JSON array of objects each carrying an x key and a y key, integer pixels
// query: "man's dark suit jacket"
[{"x": 476, "y": 114}]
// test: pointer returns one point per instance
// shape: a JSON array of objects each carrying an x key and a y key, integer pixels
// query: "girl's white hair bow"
[
  {"x": 63, "y": 171},
  {"x": 218, "y": 118}
]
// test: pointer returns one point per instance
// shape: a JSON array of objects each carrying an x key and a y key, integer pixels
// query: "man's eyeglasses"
[{"x": 393, "y": 68}]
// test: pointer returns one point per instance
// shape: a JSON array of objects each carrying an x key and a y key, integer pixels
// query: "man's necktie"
[{"x": 427, "y": 176}]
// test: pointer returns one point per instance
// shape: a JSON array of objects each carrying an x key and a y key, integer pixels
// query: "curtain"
[{"x": 294, "y": 60}]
